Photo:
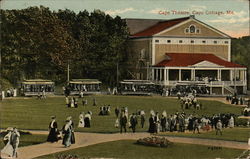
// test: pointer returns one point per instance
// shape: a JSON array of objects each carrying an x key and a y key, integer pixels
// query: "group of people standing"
[
  {"x": 181, "y": 122},
  {"x": 123, "y": 119},
  {"x": 84, "y": 119},
  {"x": 105, "y": 110},
  {"x": 235, "y": 100},
  {"x": 72, "y": 102},
  {"x": 189, "y": 101}
]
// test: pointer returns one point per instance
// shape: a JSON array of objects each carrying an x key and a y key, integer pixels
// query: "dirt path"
[{"x": 86, "y": 139}]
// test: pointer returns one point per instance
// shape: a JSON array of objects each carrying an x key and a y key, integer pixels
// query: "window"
[
  {"x": 180, "y": 41},
  {"x": 215, "y": 42},
  {"x": 226, "y": 42},
  {"x": 198, "y": 31},
  {"x": 168, "y": 41},
  {"x": 192, "y": 29},
  {"x": 192, "y": 41},
  {"x": 156, "y": 41},
  {"x": 186, "y": 30},
  {"x": 203, "y": 41}
]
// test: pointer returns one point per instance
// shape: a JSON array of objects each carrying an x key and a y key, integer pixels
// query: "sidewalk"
[{"x": 86, "y": 139}]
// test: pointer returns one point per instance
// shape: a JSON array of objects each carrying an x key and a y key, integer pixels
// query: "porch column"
[
  {"x": 245, "y": 77},
  {"x": 160, "y": 75},
  {"x": 231, "y": 75},
  {"x": 164, "y": 76},
  {"x": 153, "y": 74},
  {"x": 156, "y": 74},
  {"x": 192, "y": 74},
  {"x": 179, "y": 74},
  {"x": 219, "y": 74},
  {"x": 167, "y": 76}
]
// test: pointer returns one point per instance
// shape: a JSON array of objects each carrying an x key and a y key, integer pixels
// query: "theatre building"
[{"x": 184, "y": 51}]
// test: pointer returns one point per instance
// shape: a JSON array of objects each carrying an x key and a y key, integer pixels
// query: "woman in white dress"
[
  {"x": 7, "y": 151},
  {"x": 231, "y": 122},
  {"x": 72, "y": 103},
  {"x": 81, "y": 123}
]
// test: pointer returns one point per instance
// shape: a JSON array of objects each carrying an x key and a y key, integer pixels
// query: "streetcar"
[
  {"x": 36, "y": 87},
  {"x": 136, "y": 87}
]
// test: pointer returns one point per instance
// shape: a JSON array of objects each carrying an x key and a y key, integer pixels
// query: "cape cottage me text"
[{"x": 194, "y": 12}]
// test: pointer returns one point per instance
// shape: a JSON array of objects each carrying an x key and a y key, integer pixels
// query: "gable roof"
[
  {"x": 190, "y": 59},
  {"x": 138, "y": 25},
  {"x": 160, "y": 26}
]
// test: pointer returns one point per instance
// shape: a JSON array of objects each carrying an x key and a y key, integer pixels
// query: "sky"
[{"x": 228, "y": 16}]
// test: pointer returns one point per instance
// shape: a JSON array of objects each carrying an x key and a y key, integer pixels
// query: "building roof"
[
  {"x": 138, "y": 25},
  {"x": 190, "y": 59},
  {"x": 160, "y": 26}
]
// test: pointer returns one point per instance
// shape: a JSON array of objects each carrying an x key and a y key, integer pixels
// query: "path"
[{"x": 86, "y": 139}]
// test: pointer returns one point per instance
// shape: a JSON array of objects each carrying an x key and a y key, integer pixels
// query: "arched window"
[{"x": 192, "y": 29}]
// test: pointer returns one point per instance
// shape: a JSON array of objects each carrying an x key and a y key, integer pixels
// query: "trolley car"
[
  {"x": 35, "y": 87},
  {"x": 136, "y": 87},
  {"x": 86, "y": 86}
]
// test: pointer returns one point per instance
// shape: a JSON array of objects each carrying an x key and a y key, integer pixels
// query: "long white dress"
[
  {"x": 7, "y": 151},
  {"x": 231, "y": 122},
  {"x": 81, "y": 123}
]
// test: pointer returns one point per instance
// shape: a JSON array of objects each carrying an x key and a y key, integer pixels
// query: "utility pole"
[
  {"x": 117, "y": 74},
  {"x": 68, "y": 72}
]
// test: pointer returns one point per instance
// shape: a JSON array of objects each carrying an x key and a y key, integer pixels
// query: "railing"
[
  {"x": 231, "y": 90},
  {"x": 211, "y": 83}
]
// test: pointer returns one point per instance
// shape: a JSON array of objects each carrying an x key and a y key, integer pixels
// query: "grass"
[
  {"x": 31, "y": 113},
  {"x": 227, "y": 134},
  {"x": 28, "y": 139},
  {"x": 128, "y": 149}
]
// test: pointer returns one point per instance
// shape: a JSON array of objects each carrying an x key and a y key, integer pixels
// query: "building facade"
[{"x": 184, "y": 51}]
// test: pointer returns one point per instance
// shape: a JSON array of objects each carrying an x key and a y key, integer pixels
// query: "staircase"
[{"x": 231, "y": 90}]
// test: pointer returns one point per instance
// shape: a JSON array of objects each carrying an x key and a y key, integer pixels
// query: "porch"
[{"x": 228, "y": 80}]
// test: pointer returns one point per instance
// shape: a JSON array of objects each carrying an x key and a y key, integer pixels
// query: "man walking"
[
  {"x": 123, "y": 122},
  {"x": 133, "y": 121}
]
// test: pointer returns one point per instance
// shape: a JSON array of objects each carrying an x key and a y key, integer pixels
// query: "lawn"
[
  {"x": 128, "y": 149},
  {"x": 31, "y": 113}
]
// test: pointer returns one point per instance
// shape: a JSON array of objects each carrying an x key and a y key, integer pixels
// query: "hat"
[
  {"x": 9, "y": 129},
  {"x": 69, "y": 118},
  {"x": 53, "y": 117}
]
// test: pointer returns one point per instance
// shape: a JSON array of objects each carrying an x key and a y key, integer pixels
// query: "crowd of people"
[
  {"x": 104, "y": 110},
  {"x": 236, "y": 100},
  {"x": 72, "y": 102},
  {"x": 179, "y": 122},
  {"x": 189, "y": 101}
]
